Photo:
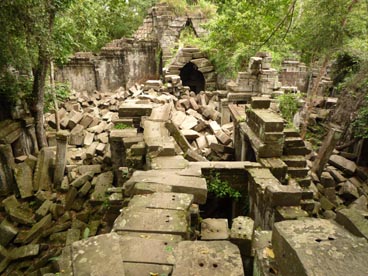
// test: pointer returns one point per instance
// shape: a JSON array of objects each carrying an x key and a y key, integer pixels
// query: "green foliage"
[
  {"x": 242, "y": 28},
  {"x": 288, "y": 104},
  {"x": 220, "y": 187},
  {"x": 13, "y": 87},
  {"x": 62, "y": 92},
  {"x": 360, "y": 124},
  {"x": 182, "y": 7},
  {"x": 121, "y": 126}
]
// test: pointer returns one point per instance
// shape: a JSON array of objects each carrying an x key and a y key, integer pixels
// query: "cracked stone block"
[{"x": 214, "y": 229}]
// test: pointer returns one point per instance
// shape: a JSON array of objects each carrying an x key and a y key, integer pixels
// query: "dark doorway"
[{"x": 193, "y": 78}]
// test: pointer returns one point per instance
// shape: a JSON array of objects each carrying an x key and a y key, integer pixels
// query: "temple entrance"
[{"x": 193, "y": 78}]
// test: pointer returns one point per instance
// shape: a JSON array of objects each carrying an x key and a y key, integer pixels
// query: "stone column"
[
  {"x": 225, "y": 112},
  {"x": 60, "y": 162},
  {"x": 326, "y": 150}
]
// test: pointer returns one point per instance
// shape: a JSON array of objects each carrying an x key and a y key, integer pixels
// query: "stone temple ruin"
[{"x": 126, "y": 187}]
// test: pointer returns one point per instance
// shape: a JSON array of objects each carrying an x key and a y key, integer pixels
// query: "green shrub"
[
  {"x": 121, "y": 126},
  {"x": 62, "y": 92},
  {"x": 288, "y": 106},
  {"x": 220, "y": 187}
]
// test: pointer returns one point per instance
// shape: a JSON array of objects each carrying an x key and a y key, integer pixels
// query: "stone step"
[
  {"x": 297, "y": 172},
  {"x": 293, "y": 142},
  {"x": 296, "y": 151},
  {"x": 290, "y": 132},
  {"x": 297, "y": 161}
]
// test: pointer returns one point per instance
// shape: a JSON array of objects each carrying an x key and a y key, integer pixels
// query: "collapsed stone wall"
[{"x": 121, "y": 63}]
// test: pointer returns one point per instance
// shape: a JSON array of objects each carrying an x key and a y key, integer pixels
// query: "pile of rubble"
[{"x": 342, "y": 190}]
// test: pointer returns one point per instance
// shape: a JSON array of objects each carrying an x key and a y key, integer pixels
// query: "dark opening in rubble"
[{"x": 193, "y": 78}]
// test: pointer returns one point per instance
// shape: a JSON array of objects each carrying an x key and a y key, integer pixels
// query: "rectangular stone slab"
[
  {"x": 318, "y": 247},
  {"x": 180, "y": 184},
  {"x": 99, "y": 255},
  {"x": 169, "y": 162},
  {"x": 134, "y": 110},
  {"x": 171, "y": 201},
  {"x": 212, "y": 258},
  {"x": 152, "y": 221},
  {"x": 151, "y": 251}
]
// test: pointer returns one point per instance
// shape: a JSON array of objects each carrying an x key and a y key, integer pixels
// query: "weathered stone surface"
[
  {"x": 354, "y": 220},
  {"x": 343, "y": 164},
  {"x": 178, "y": 183},
  {"x": 89, "y": 256},
  {"x": 318, "y": 247},
  {"x": 211, "y": 258},
  {"x": 148, "y": 220},
  {"x": 214, "y": 229},
  {"x": 147, "y": 250},
  {"x": 23, "y": 175},
  {"x": 169, "y": 162}
]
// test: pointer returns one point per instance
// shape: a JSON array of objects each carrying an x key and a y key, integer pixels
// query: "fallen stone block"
[
  {"x": 37, "y": 229},
  {"x": 18, "y": 212},
  {"x": 7, "y": 232},
  {"x": 345, "y": 165},
  {"x": 354, "y": 220},
  {"x": 24, "y": 251},
  {"x": 23, "y": 175},
  {"x": 101, "y": 183}
]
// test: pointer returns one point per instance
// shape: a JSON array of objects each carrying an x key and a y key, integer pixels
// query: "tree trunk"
[{"x": 38, "y": 92}]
